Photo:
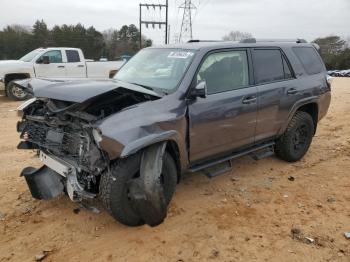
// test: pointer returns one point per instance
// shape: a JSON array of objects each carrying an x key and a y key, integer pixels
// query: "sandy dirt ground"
[{"x": 254, "y": 213}]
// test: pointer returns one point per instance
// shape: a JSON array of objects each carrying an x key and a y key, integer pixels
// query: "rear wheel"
[
  {"x": 16, "y": 93},
  {"x": 114, "y": 189},
  {"x": 296, "y": 140}
]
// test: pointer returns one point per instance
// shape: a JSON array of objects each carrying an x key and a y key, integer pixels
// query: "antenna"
[{"x": 186, "y": 25}]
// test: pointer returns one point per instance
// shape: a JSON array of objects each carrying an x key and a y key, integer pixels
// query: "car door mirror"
[
  {"x": 45, "y": 60},
  {"x": 200, "y": 90}
]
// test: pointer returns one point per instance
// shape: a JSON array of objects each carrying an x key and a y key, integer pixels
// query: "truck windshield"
[
  {"x": 158, "y": 69},
  {"x": 30, "y": 56}
]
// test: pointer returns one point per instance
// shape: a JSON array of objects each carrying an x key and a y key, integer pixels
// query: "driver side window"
[
  {"x": 55, "y": 56},
  {"x": 224, "y": 71}
]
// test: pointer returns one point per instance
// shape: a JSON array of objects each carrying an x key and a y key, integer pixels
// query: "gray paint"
[{"x": 203, "y": 128}]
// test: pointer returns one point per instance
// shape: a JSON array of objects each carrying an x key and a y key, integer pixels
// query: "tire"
[
  {"x": 15, "y": 93},
  {"x": 114, "y": 191},
  {"x": 296, "y": 140}
]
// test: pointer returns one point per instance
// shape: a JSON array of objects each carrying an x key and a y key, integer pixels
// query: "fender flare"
[
  {"x": 146, "y": 141},
  {"x": 296, "y": 106}
]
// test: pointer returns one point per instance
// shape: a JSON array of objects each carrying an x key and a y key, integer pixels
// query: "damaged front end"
[{"x": 66, "y": 137}]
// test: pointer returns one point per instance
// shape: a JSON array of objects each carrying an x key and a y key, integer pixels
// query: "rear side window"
[
  {"x": 72, "y": 56},
  {"x": 268, "y": 65},
  {"x": 309, "y": 59}
]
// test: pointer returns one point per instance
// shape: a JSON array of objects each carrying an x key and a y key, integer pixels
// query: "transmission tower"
[{"x": 186, "y": 25}]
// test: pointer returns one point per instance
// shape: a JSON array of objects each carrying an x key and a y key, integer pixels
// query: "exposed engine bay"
[{"x": 65, "y": 132}]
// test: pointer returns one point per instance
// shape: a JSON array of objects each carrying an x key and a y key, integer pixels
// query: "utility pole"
[
  {"x": 186, "y": 25},
  {"x": 154, "y": 23}
]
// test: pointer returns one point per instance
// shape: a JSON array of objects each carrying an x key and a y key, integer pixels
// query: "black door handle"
[
  {"x": 60, "y": 66},
  {"x": 292, "y": 91},
  {"x": 80, "y": 65},
  {"x": 249, "y": 100}
]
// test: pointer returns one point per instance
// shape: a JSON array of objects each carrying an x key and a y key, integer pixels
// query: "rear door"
[
  {"x": 55, "y": 69},
  {"x": 277, "y": 90},
  {"x": 75, "y": 66},
  {"x": 225, "y": 120}
]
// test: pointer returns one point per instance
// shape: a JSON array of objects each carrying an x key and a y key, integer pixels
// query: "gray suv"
[{"x": 171, "y": 110}]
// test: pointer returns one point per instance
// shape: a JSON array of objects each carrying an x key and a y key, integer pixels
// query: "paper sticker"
[{"x": 180, "y": 54}]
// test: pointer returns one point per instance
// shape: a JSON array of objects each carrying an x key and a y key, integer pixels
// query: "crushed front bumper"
[{"x": 53, "y": 178}]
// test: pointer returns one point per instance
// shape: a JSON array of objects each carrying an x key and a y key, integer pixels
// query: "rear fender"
[{"x": 297, "y": 105}]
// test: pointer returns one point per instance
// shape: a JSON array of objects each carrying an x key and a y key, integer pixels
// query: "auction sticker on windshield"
[{"x": 180, "y": 54}]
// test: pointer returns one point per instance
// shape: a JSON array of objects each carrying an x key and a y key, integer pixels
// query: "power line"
[{"x": 153, "y": 22}]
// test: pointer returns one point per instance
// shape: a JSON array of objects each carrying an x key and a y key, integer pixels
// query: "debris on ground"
[
  {"x": 291, "y": 178},
  {"x": 93, "y": 209},
  {"x": 298, "y": 235},
  {"x": 331, "y": 199},
  {"x": 42, "y": 255},
  {"x": 2, "y": 216},
  {"x": 310, "y": 240},
  {"x": 76, "y": 211},
  {"x": 347, "y": 235},
  {"x": 214, "y": 253}
]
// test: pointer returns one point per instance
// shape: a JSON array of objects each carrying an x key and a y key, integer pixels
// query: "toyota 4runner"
[{"x": 171, "y": 110}]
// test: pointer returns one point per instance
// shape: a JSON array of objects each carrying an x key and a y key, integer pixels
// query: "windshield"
[
  {"x": 29, "y": 57},
  {"x": 157, "y": 69}
]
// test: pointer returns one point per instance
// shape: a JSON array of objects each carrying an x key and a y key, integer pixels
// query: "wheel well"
[
  {"x": 173, "y": 149},
  {"x": 312, "y": 110},
  {"x": 10, "y": 77}
]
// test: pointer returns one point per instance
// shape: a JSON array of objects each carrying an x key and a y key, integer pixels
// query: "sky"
[{"x": 212, "y": 19}]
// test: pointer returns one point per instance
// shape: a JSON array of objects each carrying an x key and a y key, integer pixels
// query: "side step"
[
  {"x": 263, "y": 153},
  {"x": 210, "y": 168},
  {"x": 218, "y": 169}
]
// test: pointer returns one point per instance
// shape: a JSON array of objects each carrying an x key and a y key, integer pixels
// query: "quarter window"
[
  {"x": 224, "y": 71},
  {"x": 268, "y": 65},
  {"x": 309, "y": 59},
  {"x": 72, "y": 56}
]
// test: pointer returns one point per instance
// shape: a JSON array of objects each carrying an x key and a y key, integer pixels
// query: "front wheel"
[
  {"x": 115, "y": 187},
  {"x": 16, "y": 93},
  {"x": 296, "y": 140}
]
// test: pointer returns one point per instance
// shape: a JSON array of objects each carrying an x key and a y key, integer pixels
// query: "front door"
[
  {"x": 50, "y": 65},
  {"x": 226, "y": 119}
]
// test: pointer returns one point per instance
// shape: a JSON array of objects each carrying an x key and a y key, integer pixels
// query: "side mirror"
[
  {"x": 45, "y": 60},
  {"x": 200, "y": 90}
]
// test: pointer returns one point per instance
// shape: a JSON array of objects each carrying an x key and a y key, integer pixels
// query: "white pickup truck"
[{"x": 56, "y": 63}]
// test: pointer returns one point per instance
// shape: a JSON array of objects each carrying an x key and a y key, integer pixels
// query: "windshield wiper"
[{"x": 146, "y": 87}]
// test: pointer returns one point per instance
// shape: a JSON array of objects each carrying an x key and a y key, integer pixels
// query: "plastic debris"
[{"x": 347, "y": 235}]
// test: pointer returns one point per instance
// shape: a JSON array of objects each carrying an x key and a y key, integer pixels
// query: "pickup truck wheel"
[
  {"x": 16, "y": 93},
  {"x": 114, "y": 190},
  {"x": 296, "y": 140}
]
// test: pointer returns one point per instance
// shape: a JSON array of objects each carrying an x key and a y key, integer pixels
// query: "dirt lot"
[{"x": 246, "y": 215}]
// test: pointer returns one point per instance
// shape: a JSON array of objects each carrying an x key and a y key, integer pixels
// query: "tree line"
[
  {"x": 334, "y": 50},
  {"x": 17, "y": 40}
]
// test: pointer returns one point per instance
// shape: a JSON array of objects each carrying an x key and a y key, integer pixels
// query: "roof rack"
[
  {"x": 254, "y": 40},
  {"x": 198, "y": 41}
]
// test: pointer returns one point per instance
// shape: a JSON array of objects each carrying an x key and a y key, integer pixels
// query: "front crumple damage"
[
  {"x": 65, "y": 131},
  {"x": 148, "y": 123}
]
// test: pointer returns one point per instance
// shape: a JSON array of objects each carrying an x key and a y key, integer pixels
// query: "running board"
[{"x": 266, "y": 147}]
